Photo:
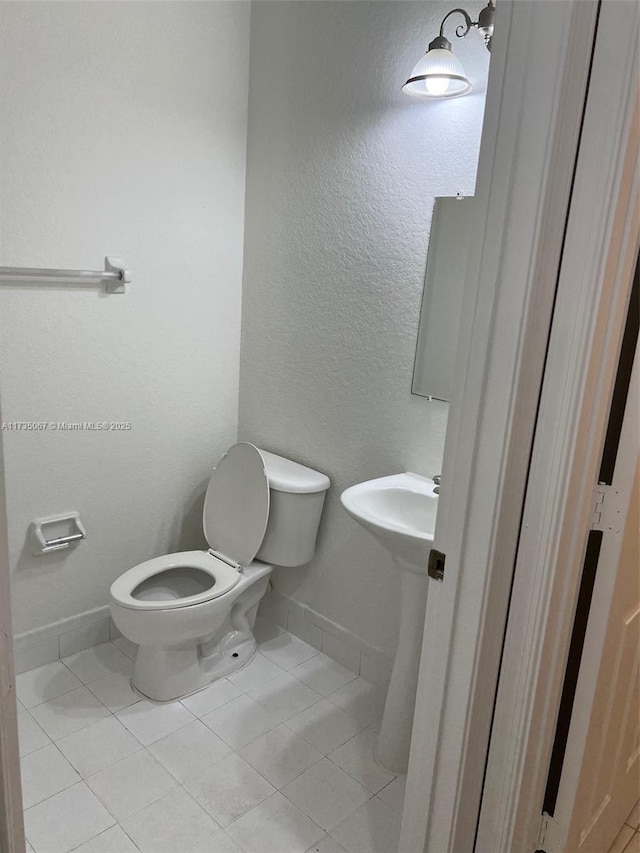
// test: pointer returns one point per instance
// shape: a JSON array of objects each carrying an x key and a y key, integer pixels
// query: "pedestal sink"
[{"x": 400, "y": 512}]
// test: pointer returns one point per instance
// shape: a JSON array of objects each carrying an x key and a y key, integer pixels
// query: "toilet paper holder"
[{"x": 56, "y": 533}]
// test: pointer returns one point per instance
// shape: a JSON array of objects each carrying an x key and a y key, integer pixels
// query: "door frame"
[
  {"x": 601, "y": 251},
  {"x": 529, "y": 172},
  {"x": 11, "y": 816},
  {"x": 615, "y": 512}
]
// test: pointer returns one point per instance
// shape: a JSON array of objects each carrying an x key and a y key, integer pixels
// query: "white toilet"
[{"x": 192, "y": 613}]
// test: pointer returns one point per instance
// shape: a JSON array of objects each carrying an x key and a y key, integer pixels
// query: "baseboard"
[
  {"x": 52, "y": 642},
  {"x": 327, "y": 636}
]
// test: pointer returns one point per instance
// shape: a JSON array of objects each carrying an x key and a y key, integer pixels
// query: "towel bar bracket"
[{"x": 118, "y": 265}]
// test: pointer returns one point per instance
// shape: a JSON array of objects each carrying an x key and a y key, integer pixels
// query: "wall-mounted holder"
[
  {"x": 115, "y": 277},
  {"x": 118, "y": 266},
  {"x": 56, "y": 533}
]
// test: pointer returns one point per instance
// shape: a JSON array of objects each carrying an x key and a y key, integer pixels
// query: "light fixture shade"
[{"x": 439, "y": 74}]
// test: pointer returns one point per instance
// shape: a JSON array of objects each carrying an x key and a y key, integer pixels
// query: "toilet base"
[{"x": 166, "y": 673}]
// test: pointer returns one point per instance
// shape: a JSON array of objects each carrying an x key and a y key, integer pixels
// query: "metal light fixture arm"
[{"x": 484, "y": 25}]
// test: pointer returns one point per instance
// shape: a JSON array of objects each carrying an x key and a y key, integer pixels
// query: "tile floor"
[
  {"x": 628, "y": 840},
  {"x": 277, "y": 758}
]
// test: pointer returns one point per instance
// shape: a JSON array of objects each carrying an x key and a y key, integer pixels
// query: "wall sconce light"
[{"x": 439, "y": 74}]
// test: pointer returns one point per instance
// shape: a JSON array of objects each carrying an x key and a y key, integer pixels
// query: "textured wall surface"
[
  {"x": 123, "y": 130},
  {"x": 342, "y": 171}
]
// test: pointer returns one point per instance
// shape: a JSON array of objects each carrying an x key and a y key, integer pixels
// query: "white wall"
[
  {"x": 342, "y": 172},
  {"x": 123, "y": 129}
]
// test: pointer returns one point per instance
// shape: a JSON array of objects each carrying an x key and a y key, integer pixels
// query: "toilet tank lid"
[{"x": 284, "y": 475}]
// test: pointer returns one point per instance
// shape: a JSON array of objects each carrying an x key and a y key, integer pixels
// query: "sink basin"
[{"x": 400, "y": 511}]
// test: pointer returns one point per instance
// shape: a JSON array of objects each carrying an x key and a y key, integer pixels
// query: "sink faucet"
[{"x": 437, "y": 479}]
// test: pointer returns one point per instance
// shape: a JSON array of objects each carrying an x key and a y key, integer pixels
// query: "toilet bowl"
[{"x": 192, "y": 613}]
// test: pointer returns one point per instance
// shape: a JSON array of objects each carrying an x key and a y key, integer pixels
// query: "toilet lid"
[{"x": 236, "y": 508}]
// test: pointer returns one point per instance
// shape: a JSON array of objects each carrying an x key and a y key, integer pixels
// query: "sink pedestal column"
[{"x": 392, "y": 750}]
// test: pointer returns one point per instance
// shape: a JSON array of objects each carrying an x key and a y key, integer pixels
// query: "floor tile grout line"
[
  {"x": 65, "y": 788},
  {"x": 118, "y": 820},
  {"x": 320, "y": 698},
  {"x": 112, "y": 764},
  {"x": 89, "y": 724},
  {"x": 255, "y": 805},
  {"x": 66, "y": 692},
  {"x": 180, "y": 784},
  {"x": 114, "y": 672},
  {"x": 281, "y": 791},
  {"x": 238, "y": 817},
  {"x": 36, "y": 723},
  {"x": 83, "y": 778},
  {"x": 375, "y": 794},
  {"x": 278, "y": 788},
  {"x": 284, "y": 721},
  {"x": 390, "y": 782},
  {"x": 54, "y": 741},
  {"x": 93, "y": 838},
  {"x": 280, "y": 723},
  {"x": 53, "y": 698},
  {"x": 290, "y": 672}
]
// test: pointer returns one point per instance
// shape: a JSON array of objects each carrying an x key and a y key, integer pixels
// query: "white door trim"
[
  {"x": 556, "y": 828},
  {"x": 11, "y": 817},
  {"x": 602, "y": 243},
  {"x": 537, "y": 87}
]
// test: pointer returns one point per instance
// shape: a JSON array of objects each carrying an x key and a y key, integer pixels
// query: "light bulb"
[
  {"x": 436, "y": 85},
  {"x": 438, "y": 74}
]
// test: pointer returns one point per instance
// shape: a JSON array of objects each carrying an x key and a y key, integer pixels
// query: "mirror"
[{"x": 442, "y": 299}]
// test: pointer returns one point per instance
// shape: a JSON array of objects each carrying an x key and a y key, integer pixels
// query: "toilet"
[{"x": 192, "y": 613}]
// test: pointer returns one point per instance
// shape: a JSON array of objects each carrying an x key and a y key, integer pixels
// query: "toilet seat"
[
  {"x": 223, "y": 578},
  {"x": 236, "y": 506},
  {"x": 235, "y": 515}
]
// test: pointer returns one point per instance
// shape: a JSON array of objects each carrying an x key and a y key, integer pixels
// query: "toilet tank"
[{"x": 296, "y": 500}]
